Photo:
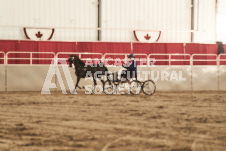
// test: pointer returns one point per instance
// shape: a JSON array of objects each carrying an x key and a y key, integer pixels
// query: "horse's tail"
[{"x": 104, "y": 70}]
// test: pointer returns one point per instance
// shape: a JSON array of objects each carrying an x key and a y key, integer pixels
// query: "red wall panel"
[
  {"x": 107, "y": 47},
  {"x": 149, "y": 48},
  {"x": 104, "y": 47},
  {"x": 174, "y": 48},
  {"x": 9, "y": 45},
  {"x": 192, "y": 48},
  {"x": 55, "y": 47}
]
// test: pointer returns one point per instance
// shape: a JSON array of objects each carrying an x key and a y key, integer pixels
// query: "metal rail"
[
  {"x": 204, "y": 55},
  {"x": 169, "y": 60},
  {"x": 220, "y": 59},
  {"x": 107, "y": 57},
  {"x": 99, "y": 56},
  {"x": 2, "y": 58},
  {"x": 140, "y": 57},
  {"x": 31, "y": 58}
]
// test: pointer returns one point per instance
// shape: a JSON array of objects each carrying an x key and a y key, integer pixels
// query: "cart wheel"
[
  {"x": 108, "y": 87},
  {"x": 135, "y": 87},
  {"x": 123, "y": 88},
  {"x": 149, "y": 87}
]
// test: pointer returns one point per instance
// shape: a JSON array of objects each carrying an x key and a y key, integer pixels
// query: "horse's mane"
[
  {"x": 79, "y": 60},
  {"x": 101, "y": 64}
]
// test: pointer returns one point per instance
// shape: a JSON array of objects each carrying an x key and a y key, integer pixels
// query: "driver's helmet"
[{"x": 131, "y": 56}]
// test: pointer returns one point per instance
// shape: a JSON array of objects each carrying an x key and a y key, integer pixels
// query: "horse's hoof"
[
  {"x": 73, "y": 92},
  {"x": 83, "y": 87}
]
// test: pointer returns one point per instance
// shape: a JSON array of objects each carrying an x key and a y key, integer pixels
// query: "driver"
[{"x": 131, "y": 67}]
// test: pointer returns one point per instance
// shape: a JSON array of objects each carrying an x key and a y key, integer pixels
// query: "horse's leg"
[
  {"x": 78, "y": 79},
  {"x": 109, "y": 79},
  {"x": 101, "y": 79},
  {"x": 94, "y": 81},
  {"x": 102, "y": 83},
  {"x": 73, "y": 92}
]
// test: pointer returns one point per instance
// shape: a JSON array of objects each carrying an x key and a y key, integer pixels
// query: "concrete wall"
[
  {"x": 26, "y": 77},
  {"x": 2, "y": 77},
  {"x": 172, "y": 78},
  {"x": 167, "y": 78},
  {"x": 204, "y": 78},
  {"x": 167, "y": 82},
  {"x": 222, "y": 78}
]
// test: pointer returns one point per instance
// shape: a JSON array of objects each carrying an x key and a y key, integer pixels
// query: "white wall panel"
[
  {"x": 50, "y": 13},
  {"x": 221, "y": 21},
  {"x": 166, "y": 15},
  {"x": 206, "y": 21},
  {"x": 163, "y": 15}
]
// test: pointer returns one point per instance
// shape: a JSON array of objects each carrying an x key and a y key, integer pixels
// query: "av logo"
[{"x": 54, "y": 71}]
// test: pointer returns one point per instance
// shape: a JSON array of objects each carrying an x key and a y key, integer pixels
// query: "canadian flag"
[
  {"x": 38, "y": 33},
  {"x": 147, "y": 36}
]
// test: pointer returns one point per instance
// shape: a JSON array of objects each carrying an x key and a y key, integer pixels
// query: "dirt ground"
[{"x": 166, "y": 121}]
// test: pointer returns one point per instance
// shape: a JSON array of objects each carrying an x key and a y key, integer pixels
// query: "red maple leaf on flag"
[
  {"x": 147, "y": 37},
  {"x": 39, "y": 34}
]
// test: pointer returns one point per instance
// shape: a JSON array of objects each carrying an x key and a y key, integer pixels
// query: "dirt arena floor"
[{"x": 166, "y": 121}]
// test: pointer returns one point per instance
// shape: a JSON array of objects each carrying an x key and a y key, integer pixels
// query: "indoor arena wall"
[
  {"x": 205, "y": 77},
  {"x": 26, "y": 77},
  {"x": 2, "y": 78},
  {"x": 169, "y": 78},
  {"x": 222, "y": 78}
]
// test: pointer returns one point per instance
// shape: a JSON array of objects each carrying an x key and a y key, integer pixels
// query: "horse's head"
[
  {"x": 71, "y": 60},
  {"x": 76, "y": 59}
]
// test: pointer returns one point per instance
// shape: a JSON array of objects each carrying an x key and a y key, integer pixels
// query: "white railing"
[
  {"x": 2, "y": 57},
  {"x": 98, "y": 56},
  {"x": 30, "y": 58},
  {"x": 220, "y": 59},
  {"x": 108, "y": 57},
  {"x": 206, "y": 60},
  {"x": 140, "y": 57},
  {"x": 170, "y": 59}
]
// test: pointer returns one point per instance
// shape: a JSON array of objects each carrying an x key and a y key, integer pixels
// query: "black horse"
[{"x": 82, "y": 70}]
